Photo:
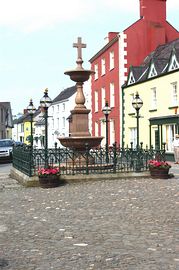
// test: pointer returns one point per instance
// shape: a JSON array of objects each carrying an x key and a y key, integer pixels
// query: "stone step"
[
  {"x": 8, "y": 183},
  {"x": 16, "y": 186}
]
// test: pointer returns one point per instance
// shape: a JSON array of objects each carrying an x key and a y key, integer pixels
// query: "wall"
[{"x": 164, "y": 105}]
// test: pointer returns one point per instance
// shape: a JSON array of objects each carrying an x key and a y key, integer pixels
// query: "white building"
[{"x": 39, "y": 130}]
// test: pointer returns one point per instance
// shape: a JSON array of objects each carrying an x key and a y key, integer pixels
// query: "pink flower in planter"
[
  {"x": 155, "y": 164},
  {"x": 48, "y": 171}
]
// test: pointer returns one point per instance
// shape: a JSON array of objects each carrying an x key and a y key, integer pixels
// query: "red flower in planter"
[
  {"x": 155, "y": 164},
  {"x": 48, "y": 171}
]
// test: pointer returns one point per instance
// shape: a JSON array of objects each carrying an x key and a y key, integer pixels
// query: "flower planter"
[
  {"x": 49, "y": 181},
  {"x": 162, "y": 173}
]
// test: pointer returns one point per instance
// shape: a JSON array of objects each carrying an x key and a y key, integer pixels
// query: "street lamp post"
[
  {"x": 31, "y": 110},
  {"x": 45, "y": 103},
  {"x": 137, "y": 103},
  {"x": 106, "y": 110}
]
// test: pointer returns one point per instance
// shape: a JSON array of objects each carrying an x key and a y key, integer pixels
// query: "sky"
[{"x": 36, "y": 38}]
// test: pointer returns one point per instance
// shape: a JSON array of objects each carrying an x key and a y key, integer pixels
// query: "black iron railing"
[{"x": 92, "y": 161}]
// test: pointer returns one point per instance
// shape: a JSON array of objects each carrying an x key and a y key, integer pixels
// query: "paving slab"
[{"x": 112, "y": 224}]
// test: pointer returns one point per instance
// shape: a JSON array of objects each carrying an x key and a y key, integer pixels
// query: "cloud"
[
  {"x": 172, "y": 5},
  {"x": 33, "y": 15},
  {"x": 36, "y": 14}
]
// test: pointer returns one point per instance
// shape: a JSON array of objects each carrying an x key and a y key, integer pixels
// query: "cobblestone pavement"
[{"x": 120, "y": 224}]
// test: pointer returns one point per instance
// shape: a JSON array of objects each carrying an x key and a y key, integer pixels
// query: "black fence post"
[
  {"x": 87, "y": 158},
  {"x": 56, "y": 152},
  {"x": 31, "y": 160},
  {"x": 114, "y": 158}
]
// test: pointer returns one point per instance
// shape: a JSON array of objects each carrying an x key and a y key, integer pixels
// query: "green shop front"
[{"x": 162, "y": 131}]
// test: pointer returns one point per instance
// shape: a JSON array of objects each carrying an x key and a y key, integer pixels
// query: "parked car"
[
  {"x": 6, "y": 147},
  {"x": 18, "y": 143}
]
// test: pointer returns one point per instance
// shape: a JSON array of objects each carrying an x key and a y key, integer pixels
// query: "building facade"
[
  {"x": 122, "y": 50},
  {"x": 157, "y": 82},
  {"x": 60, "y": 111},
  {"x": 6, "y": 122}
]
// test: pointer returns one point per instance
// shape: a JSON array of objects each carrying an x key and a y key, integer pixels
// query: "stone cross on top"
[{"x": 79, "y": 45}]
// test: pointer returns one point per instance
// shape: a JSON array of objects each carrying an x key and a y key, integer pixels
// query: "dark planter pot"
[
  {"x": 49, "y": 181},
  {"x": 159, "y": 173}
]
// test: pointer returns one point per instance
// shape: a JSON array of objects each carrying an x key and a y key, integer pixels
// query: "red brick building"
[{"x": 122, "y": 50}]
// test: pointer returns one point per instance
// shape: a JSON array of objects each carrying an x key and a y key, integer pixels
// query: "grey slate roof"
[
  {"x": 65, "y": 94},
  {"x": 160, "y": 58},
  {"x": 40, "y": 122},
  {"x": 25, "y": 117}
]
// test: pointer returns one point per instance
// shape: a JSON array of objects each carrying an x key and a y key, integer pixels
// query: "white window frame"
[
  {"x": 96, "y": 75},
  {"x": 96, "y": 130},
  {"x": 153, "y": 98},
  {"x": 152, "y": 72},
  {"x": 111, "y": 60},
  {"x": 58, "y": 123},
  {"x": 174, "y": 94},
  {"x": 103, "y": 132},
  {"x": 103, "y": 97},
  {"x": 63, "y": 120},
  {"x": 132, "y": 110},
  {"x": 96, "y": 101},
  {"x": 112, "y": 131},
  {"x": 171, "y": 130},
  {"x": 112, "y": 95},
  {"x": 103, "y": 66},
  {"x": 174, "y": 63},
  {"x": 133, "y": 136},
  {"x": 131, "y": 78}
]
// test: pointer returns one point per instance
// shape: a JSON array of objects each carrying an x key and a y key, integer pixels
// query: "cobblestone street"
[{"x": 120, "y": 224}]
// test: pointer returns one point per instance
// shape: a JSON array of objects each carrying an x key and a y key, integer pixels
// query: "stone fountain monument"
[{"x": 79, "y": 135}]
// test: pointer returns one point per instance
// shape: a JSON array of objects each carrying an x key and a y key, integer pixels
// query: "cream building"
[{"x": 157, "y": 82}]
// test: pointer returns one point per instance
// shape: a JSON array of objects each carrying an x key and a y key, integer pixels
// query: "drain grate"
[{"x": 3, "y": 263}]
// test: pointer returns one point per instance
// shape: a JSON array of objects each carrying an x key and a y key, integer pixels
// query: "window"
[
  {"x": 103, "y": 96},
  {"x": 103, "y": 132},
  {"x": 112, "y": 132},
  {"x": 171, "y": 130},
  {"x": 152, "y": 72},
  {"x": 63, "y": 122},
  {"x": 57, "y": 123},
  {"x": 133, "y": 136},
  {"x": 111, "y": 59},
  {"x": 63, "y": 107},
  {"x": 52, "y": 123},
  {"x": 57, "y": 108},
  {"x": 153, "y": 98},
  {"x": 22, "y": 128},
  {"x": 174, "y": 63},
  {"x": 112, "y": 98},
  {"x": 96, "y": 71},
  {"x": 96, "y": 101},
  {"x": 132, "y": 110},
  {"x": 131, "y": 79},
  {"x": 103, "y": 66},
  {"x": 96, "y": 129},
  {"x": 174, "y": 94}
]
